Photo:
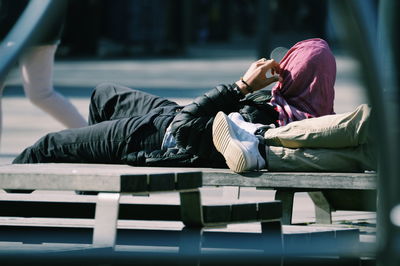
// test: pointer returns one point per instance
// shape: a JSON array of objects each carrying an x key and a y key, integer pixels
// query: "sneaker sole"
[{"x": 225, "y": 142}]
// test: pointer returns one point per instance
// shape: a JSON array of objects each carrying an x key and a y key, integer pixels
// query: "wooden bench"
[
  {"x": 110, "y": 181},
  {"x": 328, "y": 191}
]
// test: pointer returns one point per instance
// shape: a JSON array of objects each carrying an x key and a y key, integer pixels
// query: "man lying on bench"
[{"x": 131, "y": 127}]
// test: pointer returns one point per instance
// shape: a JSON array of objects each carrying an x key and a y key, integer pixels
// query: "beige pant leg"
[
  {"x": 351, "y": 159},
  {"x": 333, "y": 143},
  {"x": 331, "y": 131}
]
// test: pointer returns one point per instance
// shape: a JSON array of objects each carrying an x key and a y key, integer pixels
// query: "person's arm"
[
  {"x": 255, "y": 77},
  {"x": 192, "y": 127}
]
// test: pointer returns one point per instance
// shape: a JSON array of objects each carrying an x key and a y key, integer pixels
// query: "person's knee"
[
  {"x": 102, "y": 89},
  {"x": 40, "y": 98},
  {"x": 362, "y": 115},
  {"x": 27, "y": 156},
  {"x": 99, "y": 96},
  {"x": 40, "y": 152}
]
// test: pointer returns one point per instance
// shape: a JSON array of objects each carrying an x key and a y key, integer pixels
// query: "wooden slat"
[
  {"x": 286, "y": 197},
  {"x": 241, "y": 212},
  {"x": 146, "y": 237},
  {"x": 188, "y": 180},
  {"x": 323, "y": 209},
  {"x": 133, "y": 183},
  {"x": 161, "y": 182},
  {"x": 86, "y": 210},
  {"x": 213, "y": 214},
  {"x": 106, "y": 219},
  {"x": 218, "y": 177},
  {"x": 269, "y": 210},
  {"x": 97, "y": 177},
  {"x": 361, "y": 200},
  {"x": 114, "y": 178},
  {"x": 47, "y": 209},
  {"x": 191, "y": 208},
  {"x": 155, "y": 212},
  {"x": 211, "y": 177}
]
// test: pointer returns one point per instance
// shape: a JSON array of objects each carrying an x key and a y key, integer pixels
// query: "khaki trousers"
[{"x": 332, "y": 143}]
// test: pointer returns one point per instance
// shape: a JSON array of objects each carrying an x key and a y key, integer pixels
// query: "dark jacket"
[{"x": 192, "y": 127}]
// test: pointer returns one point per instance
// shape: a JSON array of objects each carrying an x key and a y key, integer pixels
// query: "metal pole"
[
  {"x": 379, "y": 69},
  {"x": 389, "y": 181},
  {"x": 34, "y": 21}
]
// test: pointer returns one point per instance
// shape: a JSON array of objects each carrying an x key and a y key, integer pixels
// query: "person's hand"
[{"x": 256, "y": 78}]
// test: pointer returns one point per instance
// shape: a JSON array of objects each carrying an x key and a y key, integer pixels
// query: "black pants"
[{"x": 121, "y": 120}]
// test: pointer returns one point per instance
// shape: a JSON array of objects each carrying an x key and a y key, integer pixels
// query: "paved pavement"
[{"x": 180, "y": 79}]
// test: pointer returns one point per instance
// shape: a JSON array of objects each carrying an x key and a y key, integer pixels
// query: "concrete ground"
[{"x": 180, "y": 79}]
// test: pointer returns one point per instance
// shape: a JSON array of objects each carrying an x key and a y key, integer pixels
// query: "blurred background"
[{"x": 101, "y": 29}]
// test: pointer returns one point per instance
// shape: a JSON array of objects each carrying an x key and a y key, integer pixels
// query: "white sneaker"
[
  {"x": 240, "y": 122},
  {"x": 237, "y": 145}
]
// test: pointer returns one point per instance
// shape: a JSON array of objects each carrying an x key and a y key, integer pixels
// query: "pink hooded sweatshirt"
[{"x": 307, "y": 88}]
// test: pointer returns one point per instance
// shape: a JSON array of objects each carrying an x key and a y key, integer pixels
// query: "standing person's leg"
[
  {"x": 111, "y": 101},
  {"x": 37, "y": 73},
  {"x": 330, "y": 131}
]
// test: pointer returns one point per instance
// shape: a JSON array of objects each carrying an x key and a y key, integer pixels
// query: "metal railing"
[
  {"x": 374, "y": 42},
  {"x": 30, "y": 27}
]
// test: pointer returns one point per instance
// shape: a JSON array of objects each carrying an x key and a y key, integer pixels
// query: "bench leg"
[
  {"x": 191, "y": 209},
  {"x": 286, "y": 197},
  {"x": 106, "y": 218},
  {"x": 323, "y": 210}
]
